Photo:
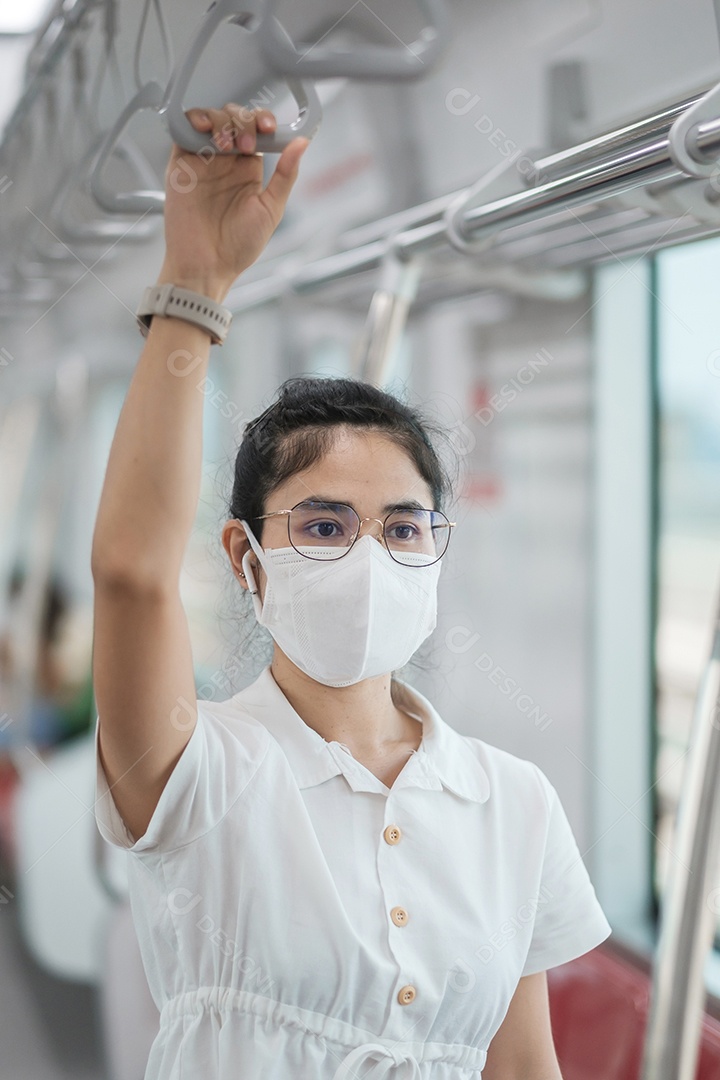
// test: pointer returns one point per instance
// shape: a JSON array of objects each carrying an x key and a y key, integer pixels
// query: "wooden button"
[
  {"x": 392, "y": 834},
  {"x": 406, "y": 995},
  {"x": 399, "y": 916}
]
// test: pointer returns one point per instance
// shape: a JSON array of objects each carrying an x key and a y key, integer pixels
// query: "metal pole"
[
  {"x": 622, "y": 171},
  {"x": 691, "y": 902},
  {"x": 635, "y": 134},
  {"x": 598, "y": 181},
  {"x": 547, "y": 168},
  {"x": 386, "y": 320}
]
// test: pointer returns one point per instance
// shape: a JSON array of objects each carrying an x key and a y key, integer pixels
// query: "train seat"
[
  {"x": 9, "y": 781},
  {"x": 64, "y": 906},
  {"x": 599, "y": 1011}
]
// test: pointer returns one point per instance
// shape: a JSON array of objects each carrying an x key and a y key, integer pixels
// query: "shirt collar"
[{"x": 444, "y": 753}]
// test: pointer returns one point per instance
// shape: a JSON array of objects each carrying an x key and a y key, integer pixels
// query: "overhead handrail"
[
  {"x": 245, "y": 14},
  {"x": 621, "y": 171},
  {"x": 638, "y": 132},
  {"x": 320, "y": 60},
  {"x": 692, "y": 896},
  {"x": 559, "y": 164}
]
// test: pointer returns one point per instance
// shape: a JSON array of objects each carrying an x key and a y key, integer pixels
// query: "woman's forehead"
[{"x": 360, "y": 465}]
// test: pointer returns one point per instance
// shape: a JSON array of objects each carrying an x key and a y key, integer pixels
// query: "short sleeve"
[
  {"x": 217, "y": 763},
  {"x": 569, "y": 920}
]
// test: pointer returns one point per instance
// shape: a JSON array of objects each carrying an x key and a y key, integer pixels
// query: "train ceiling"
[{"x": 476, "y": 142}]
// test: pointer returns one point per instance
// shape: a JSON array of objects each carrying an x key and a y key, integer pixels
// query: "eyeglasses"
[{"x": 324, "y": 530}]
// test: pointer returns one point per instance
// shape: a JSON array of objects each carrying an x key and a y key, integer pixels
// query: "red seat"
[
  {"x": 599, "y": 1009},
  {"x": 9, "y": 781}
]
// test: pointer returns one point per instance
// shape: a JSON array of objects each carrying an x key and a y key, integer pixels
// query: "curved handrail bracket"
[
  {"x": 245, "y": 14},
  {"x": 454, "y": 215},
  {"x": 150, "y": 96},
  {"x": 319, "y": 60},
  {"x": 683, "y": 146}
]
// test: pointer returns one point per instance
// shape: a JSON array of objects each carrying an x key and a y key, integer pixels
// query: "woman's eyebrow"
[{"x": 405, "y": 504}]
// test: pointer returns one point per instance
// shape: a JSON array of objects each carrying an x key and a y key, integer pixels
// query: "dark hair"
[{"x": 295, "y": 431}]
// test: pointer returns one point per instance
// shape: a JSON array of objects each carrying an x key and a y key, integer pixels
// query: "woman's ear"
[{"x": 236, "y": 544}]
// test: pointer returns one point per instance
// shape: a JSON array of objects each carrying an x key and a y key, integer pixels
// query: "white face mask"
[{"x": 347, "y": 619}]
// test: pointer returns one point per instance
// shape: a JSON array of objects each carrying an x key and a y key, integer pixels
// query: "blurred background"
[{"x": 573, "y": 361}]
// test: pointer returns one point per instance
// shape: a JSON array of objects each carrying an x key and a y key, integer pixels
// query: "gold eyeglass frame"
[{"x": 276, "y": 513}]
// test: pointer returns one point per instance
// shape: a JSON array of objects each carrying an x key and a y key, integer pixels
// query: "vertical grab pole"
[
  {"x": 389, "y": 309},
  {"x": 692, "y": 896}
]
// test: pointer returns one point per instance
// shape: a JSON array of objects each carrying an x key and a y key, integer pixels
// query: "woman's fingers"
[
  {"x": 281, "y": 182},
  {"x": 247, "y": 124},
  {"x": 226, "y": 218},
  {"x": 236, "y": 128},
  {"x": 233, "y": 127},
  {"x": 199, "y": 119}
]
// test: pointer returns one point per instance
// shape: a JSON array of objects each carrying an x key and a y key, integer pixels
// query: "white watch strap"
[{"x": 171, "y": 300}]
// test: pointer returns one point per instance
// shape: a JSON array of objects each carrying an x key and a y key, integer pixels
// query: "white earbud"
[{"x": 248, "y": 574}]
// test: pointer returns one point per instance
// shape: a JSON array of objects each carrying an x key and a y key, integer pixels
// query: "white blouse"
[{"x": 298, "y": 918}]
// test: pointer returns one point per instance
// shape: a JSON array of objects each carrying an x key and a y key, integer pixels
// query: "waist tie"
[
  {"x": 361, "y": 1055},
  {"x": 350, "y": 1045}
]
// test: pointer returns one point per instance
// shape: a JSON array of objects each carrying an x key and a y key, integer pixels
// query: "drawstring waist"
[
  {"x": 392, "y": 1059},
  {"x": 362, "y": 1055}
]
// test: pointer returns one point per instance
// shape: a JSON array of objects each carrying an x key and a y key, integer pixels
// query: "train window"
[
  {"x": 687, "y": 534},
  {"x": 656, "y": 394}
]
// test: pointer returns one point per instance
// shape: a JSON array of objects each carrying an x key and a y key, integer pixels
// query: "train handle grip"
[
  {"x": 149, "y": 96},
  {"x": 246, "y": 13}
]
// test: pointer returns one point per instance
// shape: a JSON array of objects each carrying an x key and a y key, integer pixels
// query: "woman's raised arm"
[{"x": 218, "y": 219}]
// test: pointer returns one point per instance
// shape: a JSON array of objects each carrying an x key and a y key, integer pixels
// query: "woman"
[{"x": 328, "y": 882}]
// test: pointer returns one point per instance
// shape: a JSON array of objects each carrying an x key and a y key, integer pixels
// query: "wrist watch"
[{"x": 172, "y": 301}]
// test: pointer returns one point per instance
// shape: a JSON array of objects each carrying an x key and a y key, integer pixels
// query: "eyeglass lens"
[{"x": 327, "y": 530}]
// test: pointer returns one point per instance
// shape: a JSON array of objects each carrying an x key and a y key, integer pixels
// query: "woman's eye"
[
  {"x": 324, "y": 529},
  {"x": 404, "y": 532}
]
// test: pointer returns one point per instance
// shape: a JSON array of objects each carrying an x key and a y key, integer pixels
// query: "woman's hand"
[{"x": 218, "y": 217}]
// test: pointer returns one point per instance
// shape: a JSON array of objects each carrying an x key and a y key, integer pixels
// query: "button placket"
[
  {"x": 391, "y": 849},
  {"x": 398, "y": 914}
]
